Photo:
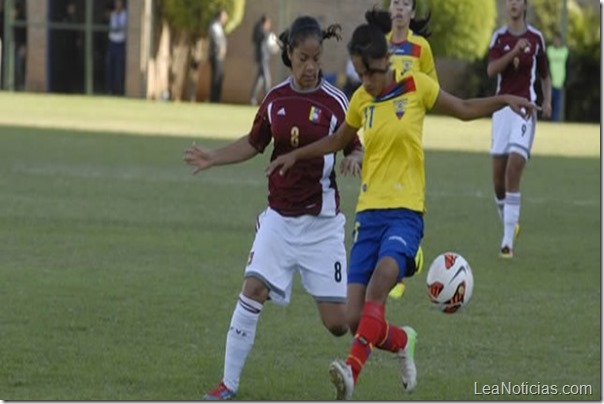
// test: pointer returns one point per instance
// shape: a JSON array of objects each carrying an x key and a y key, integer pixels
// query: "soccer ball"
[{"x": 450, "y": 282}]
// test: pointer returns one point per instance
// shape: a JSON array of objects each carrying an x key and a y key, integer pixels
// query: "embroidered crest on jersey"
[
  {"x": 315, "y": 114},
  {"x": 407, "y": 65},
  {"x": 399, "y": 107}
]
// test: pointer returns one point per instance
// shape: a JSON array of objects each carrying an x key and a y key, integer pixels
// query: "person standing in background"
[
  {"x": 218, "y": 49},
  {"x": 70, "y": 76},
  {"x": 409, "y": 48},
  {"x": 116, "y": 49},
  {"x": 516, "y": 57},
  {"x": 20, "y": 38},
  {"x": 263, "y": 47},
  {"x": 557, "y": 56}
]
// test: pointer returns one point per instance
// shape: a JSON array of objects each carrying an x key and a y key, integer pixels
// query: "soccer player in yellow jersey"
[
  {"x": 389, "y": 221},
  {"x": 409, "y": 49}
]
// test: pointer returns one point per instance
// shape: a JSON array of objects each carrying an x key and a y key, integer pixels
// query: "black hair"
[
  {"x": 302, "y": 28},
  {"x": 369, "y": 40},
  {"x": 525, "y": 9},
  {"x": 420, "y": 25}
]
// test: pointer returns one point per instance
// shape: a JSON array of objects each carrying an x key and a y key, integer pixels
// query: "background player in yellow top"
[
  {"x": 389, "y": 221},
  {"x": 409, "y": 49}
]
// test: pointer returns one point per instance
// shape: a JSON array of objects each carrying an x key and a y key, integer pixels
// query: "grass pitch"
[{"x": 119, "y": 271}]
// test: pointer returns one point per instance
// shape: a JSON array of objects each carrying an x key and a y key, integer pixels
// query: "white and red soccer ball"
[{"x": 450, "y": 282}]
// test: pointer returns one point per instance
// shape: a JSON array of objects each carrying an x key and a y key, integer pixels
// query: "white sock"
[
  {"x": 240, "y": 339},
  {"x": 500, "y": 203},
  {"x": 511, "y": 214}
]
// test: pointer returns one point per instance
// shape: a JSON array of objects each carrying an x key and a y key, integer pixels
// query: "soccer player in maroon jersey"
[
  {"x": 517, "y": 56},
  {"x": 302, "y": 229}
]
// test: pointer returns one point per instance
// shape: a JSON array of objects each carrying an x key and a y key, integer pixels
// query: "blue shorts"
[{"x": 394, "y": 233}]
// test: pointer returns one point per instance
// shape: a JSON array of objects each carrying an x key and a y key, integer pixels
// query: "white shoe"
[
  {"x": 407, "y": 357},
  {"x": 341, "y": 377}
]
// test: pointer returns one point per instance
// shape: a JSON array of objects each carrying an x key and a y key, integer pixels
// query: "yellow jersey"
[
  {"x": 393, "y": 174},
  {"x": 412, "y": 54}
]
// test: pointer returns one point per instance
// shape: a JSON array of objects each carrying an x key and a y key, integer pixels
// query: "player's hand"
[
  {"x": 351, "y": 164},
  {"x": 522, "y": 106},
  {"x": 199, "y": 157},
  {"x": 283, "y": 163},
  {"x": 521, "y": 46}
]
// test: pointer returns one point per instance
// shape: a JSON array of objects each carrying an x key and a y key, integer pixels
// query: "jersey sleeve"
[
  {"x": 427, "y": 88},
  {"x": 354, "y": 117},
  {"x": 260, "y": 135},
  {"x": 426, "y": 61},
  {"x": 494, "y": 48},
  {"x": 542, "y": 64}
]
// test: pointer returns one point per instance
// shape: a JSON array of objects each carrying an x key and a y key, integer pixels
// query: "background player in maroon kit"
[
  {"x": 516, "y": 55},
  {"x": 302, "y": 229}
]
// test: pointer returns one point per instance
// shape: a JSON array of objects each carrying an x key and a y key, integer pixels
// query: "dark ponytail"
[
  {"x": 369, "y": 40},
  {"x": 302, "y": 28},
  {"x": 420, "y": 26}
]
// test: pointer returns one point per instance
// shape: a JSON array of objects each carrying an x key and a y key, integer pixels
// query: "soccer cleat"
[
  {"x": 221, "y": 392},
  {"x": 341, "y": 377},
  {"x": 397, "y": 291},
  {"x": 506, "y": 252},
  {"x": 407, "y": 357}
]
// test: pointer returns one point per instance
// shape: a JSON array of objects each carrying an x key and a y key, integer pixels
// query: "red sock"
[
  {"x": 395, "y": 340},
  {"x": 372, "y": 329}
]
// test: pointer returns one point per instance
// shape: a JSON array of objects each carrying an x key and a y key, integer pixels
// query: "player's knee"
[
  {"x": 255, "y": 289},
  {"x": 337, "y": 330}
]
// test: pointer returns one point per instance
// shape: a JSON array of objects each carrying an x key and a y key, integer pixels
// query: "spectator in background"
[
  {"x": 71, "y": 75},
  {"x": 1, "y": 42},
  {"x": 116, "y": 49},
  {"x": 218, "y": 49},
  {"x": 265, "y": 44},
  {"x": 557, "y": 56},
  {"x": 20, "y": 38},
  {"x": 352, "y": 80}
]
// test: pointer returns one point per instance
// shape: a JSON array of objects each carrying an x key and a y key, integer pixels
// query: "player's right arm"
[
  {"x": 203, "y": 158},
  {"x": 498, "y": 65}
]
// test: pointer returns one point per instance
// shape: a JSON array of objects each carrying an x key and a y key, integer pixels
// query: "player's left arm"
[
  {"x": 546, "y": 87},
  {"x": 546, "y": 80},
  {"x": 475, "y": 108}
]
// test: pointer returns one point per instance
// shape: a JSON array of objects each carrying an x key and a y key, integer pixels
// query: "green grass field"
[{"x": 119, "y": 271}]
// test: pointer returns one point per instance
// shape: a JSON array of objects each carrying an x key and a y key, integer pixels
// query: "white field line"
[{"x": 215, "y": 177}]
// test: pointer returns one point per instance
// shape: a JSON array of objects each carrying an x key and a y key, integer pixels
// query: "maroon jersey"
[
  {"x": 294, "y": 119},
  {"x": 518, "y": 78}
]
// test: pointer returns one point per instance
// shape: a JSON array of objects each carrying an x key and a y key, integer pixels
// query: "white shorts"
[
  {"x": 511, "y": 133},
  {"x": 313, "y": 245}
]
